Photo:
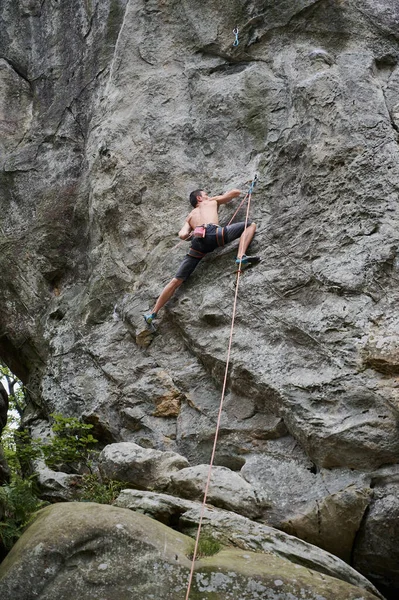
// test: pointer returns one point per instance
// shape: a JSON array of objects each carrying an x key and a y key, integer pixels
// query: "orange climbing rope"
[
  {"x": 248, "y": 195},
  {"x": 239, "y": 206}
]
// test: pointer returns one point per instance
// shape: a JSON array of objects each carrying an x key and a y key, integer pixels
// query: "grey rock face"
[
  {"x": 111, "y": 112},
  {"x": 324, "y": 508},
  {"x": 96, "y": 551},
  {"x": 15, "y": 106}
]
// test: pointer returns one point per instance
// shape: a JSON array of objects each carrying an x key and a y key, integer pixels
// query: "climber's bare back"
[{"x": 206, "y": 212}]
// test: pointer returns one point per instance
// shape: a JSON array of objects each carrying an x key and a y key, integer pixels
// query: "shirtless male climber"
[{"x": 202, "y": 226}]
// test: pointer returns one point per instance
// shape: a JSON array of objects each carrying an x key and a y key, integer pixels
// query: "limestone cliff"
[{"x": 111, "y": 112}]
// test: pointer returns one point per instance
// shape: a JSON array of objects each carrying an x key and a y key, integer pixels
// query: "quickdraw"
[
  {"x": 235, "y": 31},
  {"x": 247, "y": 195}
]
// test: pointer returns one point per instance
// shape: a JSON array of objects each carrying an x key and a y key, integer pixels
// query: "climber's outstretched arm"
[{"x": 227, "y": 197}]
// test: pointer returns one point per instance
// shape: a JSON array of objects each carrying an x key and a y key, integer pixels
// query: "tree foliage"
[
  {"x": 19, "y": 501},
  {"x": 70, "y": 447},
  {"x": 71, "y": 444},
  {"x": 16, "y": 391}
]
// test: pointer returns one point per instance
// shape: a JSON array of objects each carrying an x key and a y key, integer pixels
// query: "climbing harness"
[
  {"x": 195, "y": 253},
  {"x": 248, "y": 196},
  {"x": 200, "y": 231},
  {"x": 235, "y": 31}
]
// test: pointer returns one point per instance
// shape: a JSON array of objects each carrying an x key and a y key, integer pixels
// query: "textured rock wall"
[{"x": 111, "y": 112}]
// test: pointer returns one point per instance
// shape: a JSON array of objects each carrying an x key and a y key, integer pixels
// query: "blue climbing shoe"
[
  {"x": 247, "y": 261},
  {"x": 150, "y": 318}
]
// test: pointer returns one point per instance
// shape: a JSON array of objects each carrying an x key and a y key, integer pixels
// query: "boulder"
[
  {"x": 333, "y": 522},
  {"x": 238, "y": 531},
  {"x": 258, "y": 537},
  {"x": 56, "y": 486},
  {"x": 144, "y": 468},
  {"x": 98, "y": 552},
  {"x": 162, "y": 507},
  {"x": 226, "y": 489}
]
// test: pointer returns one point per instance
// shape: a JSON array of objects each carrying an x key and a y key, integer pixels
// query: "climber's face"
[{"x": 203, "y": 196}]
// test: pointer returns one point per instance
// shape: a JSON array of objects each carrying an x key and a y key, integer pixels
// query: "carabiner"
[
  {"x": 235, "y": 31},
  {"x": 253, "y": 184}
]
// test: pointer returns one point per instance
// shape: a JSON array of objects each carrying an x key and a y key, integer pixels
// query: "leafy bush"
[
  {"x": 20, "y": 451},
  {"x": 19, "y": 501}
]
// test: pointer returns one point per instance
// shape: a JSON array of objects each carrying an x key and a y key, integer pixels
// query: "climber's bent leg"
[
  {"x": 246, "y": 239},
  {"x": 187, "y": 266},
  {"x": 166, "y": 294}
]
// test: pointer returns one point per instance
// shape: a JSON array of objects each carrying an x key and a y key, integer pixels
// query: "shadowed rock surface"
[
  {"x": 111, "y": 112},
  {"x": 4, "y": 470}
]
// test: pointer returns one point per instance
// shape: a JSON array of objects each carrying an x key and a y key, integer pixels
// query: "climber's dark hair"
[{"x": 193, "y": 197}]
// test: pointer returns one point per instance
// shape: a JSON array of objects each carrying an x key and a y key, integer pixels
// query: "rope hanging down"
[{"x": 248, "y": 195}]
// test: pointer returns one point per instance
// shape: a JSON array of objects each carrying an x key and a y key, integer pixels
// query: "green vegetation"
[
  {"x": 207, "y": 546},
  {"x": 70, "y": 448},
  {"x": 18, "y": 502},
  {"x": 71, "y": 445},
  {"x": 94, "y": 489}
]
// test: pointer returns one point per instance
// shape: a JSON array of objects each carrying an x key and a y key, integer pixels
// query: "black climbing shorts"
[{"x": 215, "y": 237}]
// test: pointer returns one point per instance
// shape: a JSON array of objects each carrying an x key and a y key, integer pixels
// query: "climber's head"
[{"x": 194, "y": 196}]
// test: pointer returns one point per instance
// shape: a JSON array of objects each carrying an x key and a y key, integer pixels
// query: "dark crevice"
[
  {"x": 89, "y": 83},
  {"x": 18, "y": 70},
  {"x": 229, "y": 68},
  {"x": 215, "y": 51},
  {"x": 303, "y": 11},
  {"x": 357, "y": 535},
  {"x": 86, "y": 35}
]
